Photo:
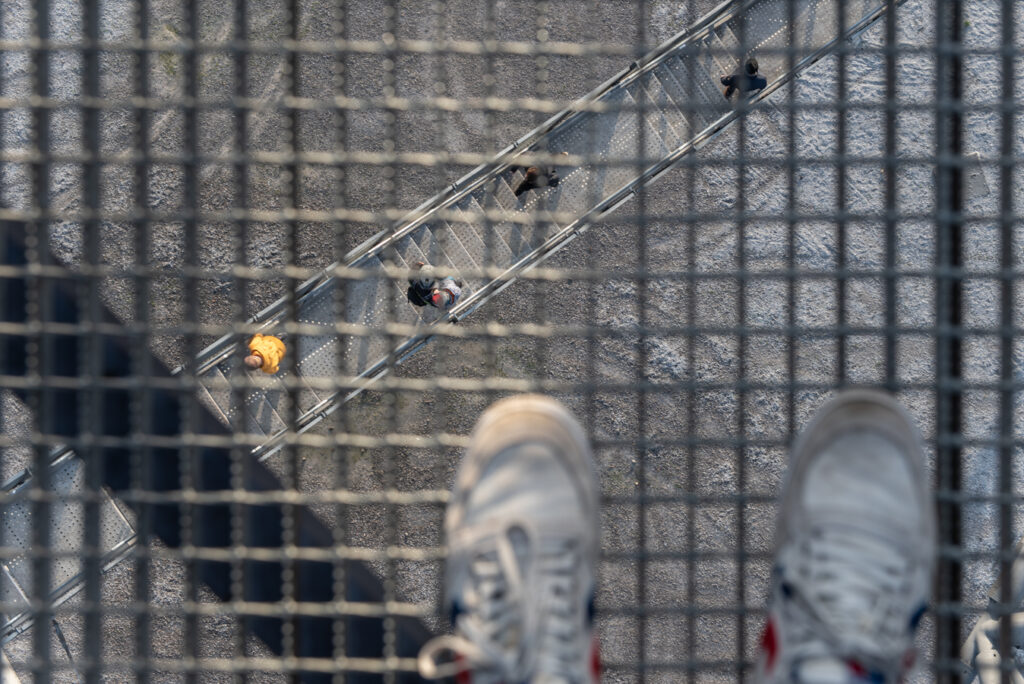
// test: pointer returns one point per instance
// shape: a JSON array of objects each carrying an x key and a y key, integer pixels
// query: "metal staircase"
[
  {"x": 623, "y": 135},
  {"x": 354, "y": 321}
]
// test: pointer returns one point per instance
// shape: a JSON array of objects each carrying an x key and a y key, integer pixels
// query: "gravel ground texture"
[{"x": 707, "y": 538}]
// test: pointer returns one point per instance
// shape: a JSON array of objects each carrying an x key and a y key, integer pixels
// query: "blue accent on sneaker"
[
  {"x": 454, "y": 612},
  {"x": 915, "y": 619}
]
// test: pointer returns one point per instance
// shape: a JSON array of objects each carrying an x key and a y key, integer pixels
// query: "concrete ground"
[{"x": 706, "y": 540}]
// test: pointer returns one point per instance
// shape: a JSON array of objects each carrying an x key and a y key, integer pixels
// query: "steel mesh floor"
[{"x": 170, "y": 170}]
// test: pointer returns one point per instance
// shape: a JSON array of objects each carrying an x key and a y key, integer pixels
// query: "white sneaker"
[
  {"x": 854, "y": 550},
  {"x": 522, "y": 528}
]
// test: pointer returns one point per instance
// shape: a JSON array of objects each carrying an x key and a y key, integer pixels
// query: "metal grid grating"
[{"x": 177, "y": 176}]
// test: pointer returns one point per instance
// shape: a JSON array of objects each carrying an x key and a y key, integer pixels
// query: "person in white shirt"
[{"x": 445, "y": 293}]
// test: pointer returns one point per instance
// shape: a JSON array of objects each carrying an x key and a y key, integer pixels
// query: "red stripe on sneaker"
[
  {"x": 463, "y": 676},
  {"x": 770, "y": 645},
  {"x": 595, "y": 659}
]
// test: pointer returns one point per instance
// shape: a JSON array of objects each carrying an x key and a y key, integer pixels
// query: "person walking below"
[
  {"x": 537, "y": 177},
  {"x": 421, "y": 284},
  {"x": 265, "y": 353},
  {"x": 745, "y": 79},
  {"x": 425, "y": 288},
  {"x": 445, "y": 293}
]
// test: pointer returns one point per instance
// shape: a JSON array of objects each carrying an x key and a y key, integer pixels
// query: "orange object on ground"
[{"x": 268, "y": 348}]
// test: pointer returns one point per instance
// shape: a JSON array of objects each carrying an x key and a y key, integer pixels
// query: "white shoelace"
[
  {"x": 511, "y": 625},
  {"x": 856, "y": 586}
]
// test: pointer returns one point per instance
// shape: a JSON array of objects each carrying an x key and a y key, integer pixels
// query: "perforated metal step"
[
  {"x": 504, "y": 195},
  {"x": 654, "y": 112},
  {"x": 693, "y": 84},
  {"x": 673, "y": 116},
  {"x": 67, "y": 532},
  {"x": 442, "y": 247},
  {"x": 495, "y": 251},
  {"x": 469, "y": 237},
  {"x": 513, "y": 236},
  {"x": 724, "y": 57},
  {"x": 733, "y": 53},
  {"x": 686, "y": 102},
  {"x": 409, "y": 251}
]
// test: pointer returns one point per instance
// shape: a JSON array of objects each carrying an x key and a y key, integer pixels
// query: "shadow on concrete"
[{"x": 162, "y": 415}]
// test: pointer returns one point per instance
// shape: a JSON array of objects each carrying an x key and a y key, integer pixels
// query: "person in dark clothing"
[
  {"x": 744, "y": 80},
  {"x": 537, "y": 177},
  {"x": 421, "y": 286},
  {"x": 427, "y": 288}
]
